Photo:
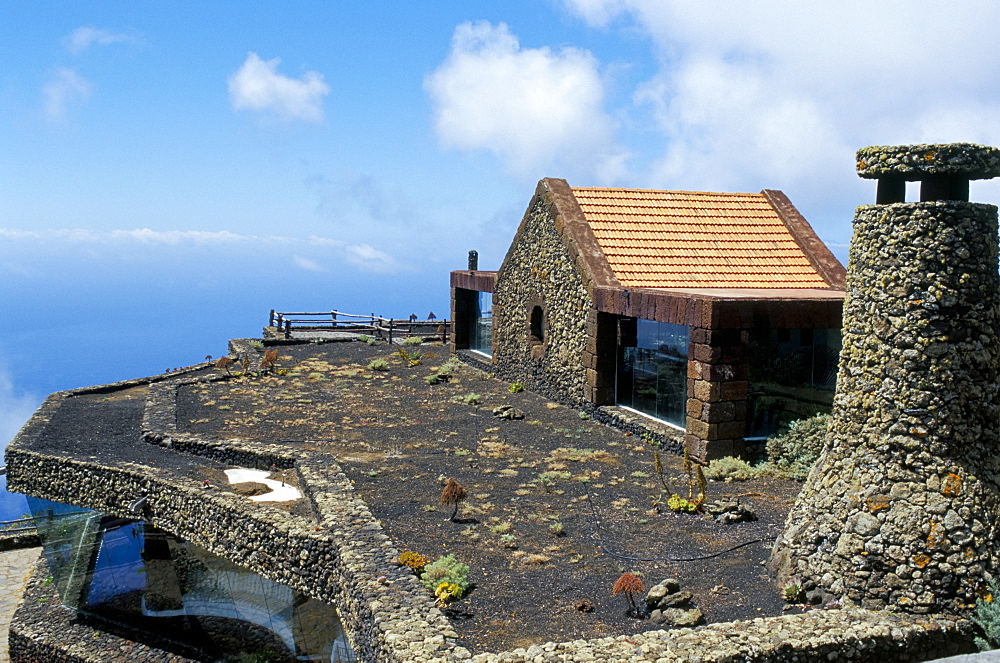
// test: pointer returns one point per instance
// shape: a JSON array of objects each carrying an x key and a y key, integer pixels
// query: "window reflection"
[
  {"x": 652, "y": 368},
  {"x": 482, "y": 325},
  {"x": 144, "y": 581},
  {"x": 793, "y": 375}
]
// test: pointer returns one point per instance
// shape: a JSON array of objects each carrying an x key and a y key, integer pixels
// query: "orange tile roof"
[{"x": 686, "y": 239}]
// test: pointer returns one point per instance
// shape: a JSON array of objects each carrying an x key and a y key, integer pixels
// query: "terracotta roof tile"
[{"x": 689, "y": 239}]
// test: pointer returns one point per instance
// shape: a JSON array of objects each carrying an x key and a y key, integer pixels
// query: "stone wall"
[
  {"x": 901, "y": 510},
  {"x": 540, "y": 271}
]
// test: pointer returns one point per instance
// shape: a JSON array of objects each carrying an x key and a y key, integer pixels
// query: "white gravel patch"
[{"x": 280, "y": 492}]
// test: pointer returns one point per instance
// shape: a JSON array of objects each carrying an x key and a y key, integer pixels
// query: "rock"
[
  {"x": 730, "y": 511},
  {"x": 681, "y": 617},
  {"x": 675, "y": 600},
  {"x": 507, "y": 412}
]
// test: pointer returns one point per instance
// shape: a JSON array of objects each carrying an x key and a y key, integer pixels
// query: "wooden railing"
[{"x": 385, "y": 328}]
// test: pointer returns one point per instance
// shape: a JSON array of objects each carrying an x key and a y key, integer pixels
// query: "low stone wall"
[
  {"x": 18, "y": 540},
  {"x": 830, "y": 635}
]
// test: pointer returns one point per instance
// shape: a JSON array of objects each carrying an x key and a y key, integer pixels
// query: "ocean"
[{"x": 66, "y": 332}]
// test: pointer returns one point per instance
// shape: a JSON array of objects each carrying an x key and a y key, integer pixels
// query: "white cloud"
[
  {"x": 535, "y": 107},
  {"x": 311, "y": 254},
  {"x": 84, "y": 37},
  {"x": 15, "y": 409},
  {"x": 257, "y": 85},
  {"x": 64, "y": 88},
  {"x": 140, "y": 235},
  {"x": 370, "y": 258},
  {"x": 781, "y": 94},
  {"x": 308, "y": 265}
]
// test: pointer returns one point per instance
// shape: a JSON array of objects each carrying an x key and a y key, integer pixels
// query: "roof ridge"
[{"x": 758, "y": 194}]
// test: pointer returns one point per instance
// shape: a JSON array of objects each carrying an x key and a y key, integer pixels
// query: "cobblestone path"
[{"x": 15, "y": 566}]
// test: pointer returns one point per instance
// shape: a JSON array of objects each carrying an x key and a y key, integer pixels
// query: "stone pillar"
[
  {"x": 901, "y": 510},
  {"x": 717, "y": 393},
  {"x": 600, "y": 357}
]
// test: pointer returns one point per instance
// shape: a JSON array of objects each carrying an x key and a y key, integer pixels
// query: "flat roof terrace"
[{"x": 558, "y": 506}]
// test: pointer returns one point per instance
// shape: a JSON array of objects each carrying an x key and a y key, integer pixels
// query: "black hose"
[{"x": 597, "y": 537}]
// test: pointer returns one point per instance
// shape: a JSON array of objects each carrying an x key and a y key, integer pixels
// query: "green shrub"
[
  {"x": 678, "y": 504},
  {"x": 515, "y": 387},
  {"x": 378, "y": 365},
  {"x": 450, "y": 366},
  {"x": 443, "y": 372},
  {"x": 445, "y": 569},
  {"x": 794, "y": 451},
  {"x": 730, "y": 469},
  {"x": 791, "y": 593},
  {"x": 791, "y": 454},
  {"x": 412, "y": 340},
  {"x": 987, "y": 618}
]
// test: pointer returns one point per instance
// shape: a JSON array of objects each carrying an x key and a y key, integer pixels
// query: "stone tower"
[{"x": 902, "y": 508}]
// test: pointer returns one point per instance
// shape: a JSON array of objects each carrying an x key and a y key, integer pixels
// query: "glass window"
[
  {"x": 184, "y": 597},
  {"x": 793, "y": 375},
  {"x": 482, "y": 325},
  {"x": 652, "y": 368}
]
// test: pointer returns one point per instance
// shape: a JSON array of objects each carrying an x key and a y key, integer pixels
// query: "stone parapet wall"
[
  {"x": 814, "y": 637},
  {"x": 902, "y": 509}
]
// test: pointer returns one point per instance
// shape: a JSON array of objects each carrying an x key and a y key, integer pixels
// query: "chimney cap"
[{"x": 919, "y": 162}]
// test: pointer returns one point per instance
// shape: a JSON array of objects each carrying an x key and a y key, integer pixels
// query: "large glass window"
[
  {"x": 180, "y": 596},
  {"x": 652, "y": 368},
  {"x": 793, "y": 375},
  {"x": 482, "y": 325}
]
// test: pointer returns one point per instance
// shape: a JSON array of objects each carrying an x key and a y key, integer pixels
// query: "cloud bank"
[
  {"x": 258, "y": 86},
  {"x": 311, "y": 254},
  {"x": 749, "y": 95},
  {"x": 536, "y": 108},
  {"x": 84, "y": 37}
]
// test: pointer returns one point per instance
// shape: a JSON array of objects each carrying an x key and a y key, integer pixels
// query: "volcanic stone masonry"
[
  {"x": 540, "y": 310},
  {"x": 901, "y": 510}
]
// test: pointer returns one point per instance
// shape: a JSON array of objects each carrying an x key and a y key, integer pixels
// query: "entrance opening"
[{"x": 537, "y": 325}]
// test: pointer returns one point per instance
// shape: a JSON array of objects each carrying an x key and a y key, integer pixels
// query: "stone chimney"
[{"x": 901, "y": 511}]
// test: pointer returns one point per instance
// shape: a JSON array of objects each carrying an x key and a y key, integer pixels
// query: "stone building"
[{"x": 716, "y": 315}]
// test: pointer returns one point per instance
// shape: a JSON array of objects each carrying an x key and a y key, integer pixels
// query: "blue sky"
[{"x": 170, "y": 171}]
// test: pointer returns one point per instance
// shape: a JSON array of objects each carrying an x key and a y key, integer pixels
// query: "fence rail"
[
  {"x": 27, "y": 524},
  {"x": 386, "y": 328}
]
